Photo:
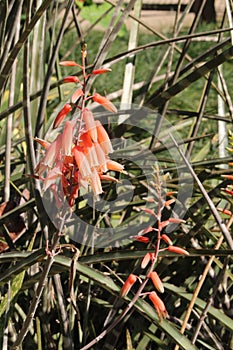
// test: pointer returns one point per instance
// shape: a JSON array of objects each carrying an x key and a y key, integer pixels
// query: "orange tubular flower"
[
  {"x": 90, "y": 124},
  {"x": 103, "y": 138},
  {"x": 85, "y": 140},
  {"x": 128, "y": 284},
  {"x": 82, "y": 162},
  {"x": 91, "y": 156},
  {"x": 159, "y": 305},
  {"x": 156, "y": 281},
  {"x": 177, "y": 250},
  {"x": 61, "y": 115},
  {"x": 102, "y": 100},
  {"x": 101, "y": 157}
]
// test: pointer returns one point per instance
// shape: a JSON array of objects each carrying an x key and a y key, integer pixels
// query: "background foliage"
[{"x": 81, "y": 294}]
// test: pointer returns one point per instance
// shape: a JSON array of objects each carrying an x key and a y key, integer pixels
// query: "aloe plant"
[{"x": 61, "y": 285}]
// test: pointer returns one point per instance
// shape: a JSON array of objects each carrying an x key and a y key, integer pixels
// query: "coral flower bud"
[
  {"x": 101, "y": 71},
  {"x": 102, "y": 100},
  {"x": 78, "y": 93},
  {"x": 112, "y": 165},
  {"x": 69, "y": 64},
  {"x": 228, "y": 177},
  {"x": 156, "y": 281},
  {"x": 228, "y": 191},
  {"x": 71, "y": 79},
  {"x": 108, "y": 178},
  {"x": 61, "y": 115},
  {"x": 90, "y": 124},
  {"x": 225, "y": 211},
  {"x": 159, "y": 305},
  {"x": 176, "y": 220},
  {"x": 128, "y": 284},
  {"x": 170, "y": 193},
  {"x": 141, "y": 239},
  {"x": 42, "y": 142},
  {"x": 177, "y": 250},
  {"x": 147, "y": 258},
  {"x": 166, "y": 239},
  {"x": 148, "y": 211},
  {"x": 147, "y": 229},
  {"x": 169, "y": 202}
]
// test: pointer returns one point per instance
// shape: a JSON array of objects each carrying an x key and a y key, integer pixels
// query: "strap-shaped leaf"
[{"x": 160, "y": 99}]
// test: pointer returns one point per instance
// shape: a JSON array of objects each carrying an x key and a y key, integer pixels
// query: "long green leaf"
[{"x": 215, "y": 313}]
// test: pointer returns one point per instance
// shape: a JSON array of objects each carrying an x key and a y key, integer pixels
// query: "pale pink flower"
[
  {"x": 90, "y": 124},
  {"x": 53, "y": 152},
  {"x": 51, "y": 177},
  {"x": 95, "y": 183},
  {"x": 67, "y": 138}
]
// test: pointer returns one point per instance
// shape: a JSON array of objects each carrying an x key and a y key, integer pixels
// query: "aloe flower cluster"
[
  {"x": 79, "y": 155},
  {"x": 163, "y": 243}
]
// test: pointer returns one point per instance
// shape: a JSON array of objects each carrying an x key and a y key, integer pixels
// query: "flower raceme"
[
  {"x": 79, "y": 156},
  {"x": 151, "y": 257}
]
